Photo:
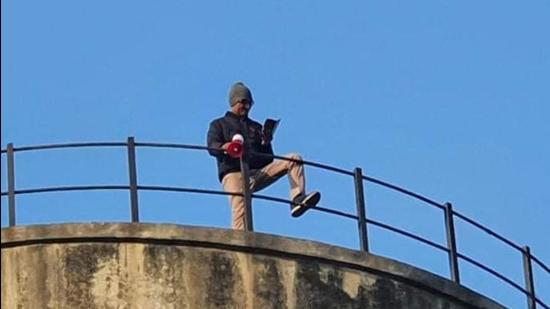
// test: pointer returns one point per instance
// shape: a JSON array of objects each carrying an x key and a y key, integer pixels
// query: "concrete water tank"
[{"x": 137, "y": 265}]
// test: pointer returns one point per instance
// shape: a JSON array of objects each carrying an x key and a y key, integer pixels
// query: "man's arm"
[
  {"x": 270, "y": 125},
  {"x": 215, "y": 139},
  {"x": 265, "y": 155}
]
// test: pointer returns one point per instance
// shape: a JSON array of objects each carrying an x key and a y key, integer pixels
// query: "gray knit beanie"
[{"x": 238, "y": 92}]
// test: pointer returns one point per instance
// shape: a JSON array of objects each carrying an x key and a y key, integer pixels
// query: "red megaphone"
[{"x": 235, "y": 148}]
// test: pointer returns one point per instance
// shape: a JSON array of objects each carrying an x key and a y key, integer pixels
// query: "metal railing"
[{"x": 360, "y": 216}]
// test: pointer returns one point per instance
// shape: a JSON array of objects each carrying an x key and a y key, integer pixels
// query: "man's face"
[{"x": 242, "y": 107}]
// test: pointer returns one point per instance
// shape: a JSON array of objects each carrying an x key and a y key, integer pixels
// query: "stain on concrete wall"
[
  {"x": 270, "y": 291},
  {"x": 80, "y": 265}
]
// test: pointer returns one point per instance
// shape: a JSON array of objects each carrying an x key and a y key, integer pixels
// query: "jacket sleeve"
[{"x": 215, "y": 139}]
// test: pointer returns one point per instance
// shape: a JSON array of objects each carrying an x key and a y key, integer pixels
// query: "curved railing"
[{"x": 360, "y": 216}]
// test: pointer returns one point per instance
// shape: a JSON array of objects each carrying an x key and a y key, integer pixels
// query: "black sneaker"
[{"x": 301, "y": 203}]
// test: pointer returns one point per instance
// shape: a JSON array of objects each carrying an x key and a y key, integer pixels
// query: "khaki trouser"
[{"x": 260, "y": 179}]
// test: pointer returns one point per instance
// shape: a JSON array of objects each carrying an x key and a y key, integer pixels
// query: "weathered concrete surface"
[{"x": 170, "y": 266}]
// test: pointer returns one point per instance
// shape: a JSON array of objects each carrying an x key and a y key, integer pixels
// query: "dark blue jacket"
[{"x": 221, "y": 131}]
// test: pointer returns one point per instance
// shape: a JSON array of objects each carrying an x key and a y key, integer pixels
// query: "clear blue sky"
[{"x": 450, "y": 99}]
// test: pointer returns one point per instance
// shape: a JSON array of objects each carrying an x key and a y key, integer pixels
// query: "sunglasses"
[{"x": 245, "y": 102}]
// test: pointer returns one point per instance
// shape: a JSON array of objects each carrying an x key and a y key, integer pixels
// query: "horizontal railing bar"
[
  {"x": 347, "y": 215},
  {"x": 540, "y": 302},
  {"x": 271, "y": 198},
  {"x": 319, "y": 165},
  {"x": 68, "y": 145},
  {"x": 258, "y": 196},
  {"x": 189, "y": 190},
  {"x": 170, "y": 189},
  {"x": 540, "y": 263},
  {"x": 408, "y": 234},
  {"x": 488, "y": 231},
  {"x": 119, "y": 187},
  {"x": 329, "y": 168},
  {"x": 491, "y": 271},
  {"x": 335, "y": 212},
  {"x": 109, "y": 144},
  {"x": 171, "y": 145},
  {"x": 498, "y": 275},
  {"x": 316, "y": 208},
  {"x": 69, "y": 188},
  {"x": 404, "y": 191}
]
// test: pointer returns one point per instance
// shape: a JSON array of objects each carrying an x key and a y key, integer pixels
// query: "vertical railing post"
[
  {"x": 247, "y": 195},
  {"x": 11, "y": 185},
  {"x": 451, "y": 242},
  {"x": 133, "y": 179},
  {"x": 528, "y": 274},
  {"x": 361, "y": 213}
]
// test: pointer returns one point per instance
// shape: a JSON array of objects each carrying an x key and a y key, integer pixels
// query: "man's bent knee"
[{"x": 294, "y": 156}]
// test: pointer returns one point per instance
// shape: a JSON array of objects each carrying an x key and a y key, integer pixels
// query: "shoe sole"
[{"x": 308, "y": 203}]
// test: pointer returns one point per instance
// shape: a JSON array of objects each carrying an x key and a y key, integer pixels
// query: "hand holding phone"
[{"x": 270, "y": 125}]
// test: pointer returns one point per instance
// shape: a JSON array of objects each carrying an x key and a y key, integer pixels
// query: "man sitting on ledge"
[{"x": 263, "y": 169}]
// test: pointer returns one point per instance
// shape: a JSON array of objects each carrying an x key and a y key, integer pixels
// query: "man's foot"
[{"x": 302, "y": 202}]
